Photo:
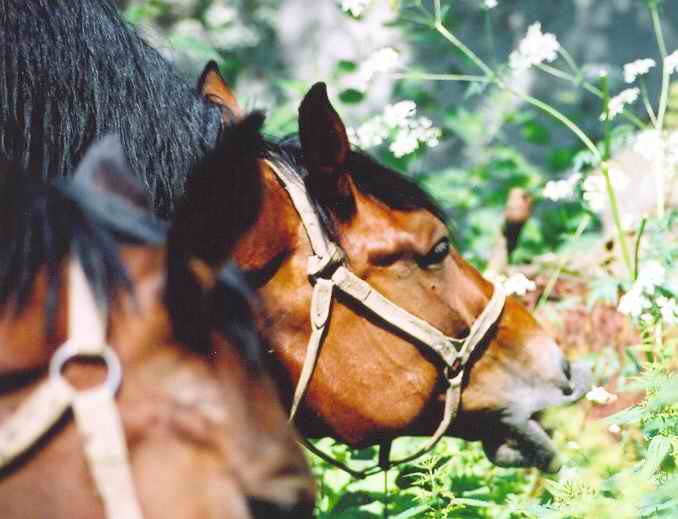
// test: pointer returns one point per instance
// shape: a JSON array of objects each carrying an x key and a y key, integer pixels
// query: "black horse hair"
[
  {"x": 45, "y": 222},
  {"x": 72, "y": 71}
]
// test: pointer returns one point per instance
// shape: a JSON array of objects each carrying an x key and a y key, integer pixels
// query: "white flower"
[
  {"x": 399, "y": 122},
  {"x": 556, "y": 190},
  {"x": 594, "y": 191},
  {"x": 534, "y": 49},
  {"x": 668, "y": 310},
  {"x": 598, "y": 395},
  {"x": 614, "y": 428},
  {"x": 490, "y": 4},
  {"x": 382, "y": 60},
  {"x": 640, "y": 67},
  {"x": 618, "y": 102},
  {"x": 405, "y": 143},
  {"x": 397, "y": 115},
  {"x": 218, "y": 15},
  {"x": 671, "y": 62},
  {"x": 371, "y": 133},
  {"x": 651, "y": 275},
  {"x": 518, "y": 284},
  {"x": 633, "y": 303},
  {"x": 354, "y": 7}
]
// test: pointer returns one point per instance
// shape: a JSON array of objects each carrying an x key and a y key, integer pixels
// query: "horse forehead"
[{"x": 379, "y": 225}]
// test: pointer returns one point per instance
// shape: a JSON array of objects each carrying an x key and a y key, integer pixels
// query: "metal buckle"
[{"x": 70, "y": 350}]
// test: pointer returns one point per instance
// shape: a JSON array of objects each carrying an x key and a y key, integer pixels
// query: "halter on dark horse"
[{"x": 83, "y": 265}]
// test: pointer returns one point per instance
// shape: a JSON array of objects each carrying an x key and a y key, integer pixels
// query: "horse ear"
[
  {"x": 324, "y": 142},
  {"x": 105, "y": 169},
  {"x": 213, "y": 86},
  {"x": 325, "y": 147}
]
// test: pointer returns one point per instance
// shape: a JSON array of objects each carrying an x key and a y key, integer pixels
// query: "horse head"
[
  {"x": 203, "y": 426},
  {"x": 373, "y": 381}
]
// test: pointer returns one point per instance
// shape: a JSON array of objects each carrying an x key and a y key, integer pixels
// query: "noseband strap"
[
  {"x": 328, "y": 273},
  {"x": 96, "y": 415}
]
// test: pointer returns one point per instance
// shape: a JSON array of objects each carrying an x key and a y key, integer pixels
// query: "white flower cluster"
[
  {"x": 562, "y": 189},
  {"x": 534, "y": 49},
  {"x": 354, "y": 7},
  {"x": 383, "y": 60},
  {"x": 640, "y": 67},
  {"x": 618, "y": 102},
  {"x": 671, "y": 62},
  {"x": 599, "y": 395},
  {"x": 518, "y": 283},
  {"x": 638, "y": 302},
  {"x": 400, "y": 123},
  {"x": 595, "y": 190},
  {"x": 490, "y": 4}
]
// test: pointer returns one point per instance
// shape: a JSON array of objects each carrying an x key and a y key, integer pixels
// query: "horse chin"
[{"x": 524, "y": 445}]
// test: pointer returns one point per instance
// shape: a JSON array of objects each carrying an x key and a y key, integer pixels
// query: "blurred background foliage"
[{"x": 469, "y": 146}]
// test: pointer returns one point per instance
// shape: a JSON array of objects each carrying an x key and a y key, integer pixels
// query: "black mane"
[
  {"x": 43, "y": 223},
  {"x": 71, "y": 71}
]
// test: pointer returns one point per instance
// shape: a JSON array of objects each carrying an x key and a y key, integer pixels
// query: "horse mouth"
[{"x": 523, "y": 445}]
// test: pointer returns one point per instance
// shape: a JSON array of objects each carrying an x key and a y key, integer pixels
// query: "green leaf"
[
  {"x": 345, "y": 66},
  {"x": 412, "y": 512},
  {"x": 351, "y": 96},
  {"x": 626, "y": 416},
  {"x": 656, "y": 452},
  {"x": 535, "y": 133}
]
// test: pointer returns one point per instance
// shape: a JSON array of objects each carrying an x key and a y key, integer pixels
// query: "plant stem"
[
  {"x": 663, "y": 99},
  {"x": 608, "y": 184},
  {"x": 636, "y": 254},
  {"x": 648, "y": 105},
  {"x": 457, "y": 42},
  {"x": 556, "y": 115},
  {"x": 589, "y": 87},
  {"x": 570, "y": 61},
  {"x": 441, "y": 77}
]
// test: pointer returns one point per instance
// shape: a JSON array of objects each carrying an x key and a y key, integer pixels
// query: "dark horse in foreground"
[
  {"x": 371, "y": 382},
  {"x": 203, "y": 425}
]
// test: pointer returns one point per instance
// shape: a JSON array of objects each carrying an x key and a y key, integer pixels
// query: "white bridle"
[
  {"x": 327, "y": 271},
  {"x": 96, "y": 415}
]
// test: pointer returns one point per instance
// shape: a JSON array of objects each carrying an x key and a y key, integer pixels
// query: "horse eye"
[{"x": 436, "y": 255}]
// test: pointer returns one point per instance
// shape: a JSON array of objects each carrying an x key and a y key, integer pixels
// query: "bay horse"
[
  {"x": 334, "y": 222},
  {"x": 200, "y": 430}
]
